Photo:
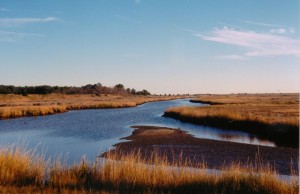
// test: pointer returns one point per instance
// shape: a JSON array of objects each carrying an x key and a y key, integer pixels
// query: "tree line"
[{"x": 87, "y": 89}]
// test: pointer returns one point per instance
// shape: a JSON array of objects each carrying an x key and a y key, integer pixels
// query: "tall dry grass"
[
  {"x": 12, "y": 106},
  {"x": 266, "y": 108},
  {"x": 21, "y": 167},
  {"x": 130, "y": 173},
  {"x": 21, "y": 111},
  {"x": 269, "y": 116},
  {"x": 263, "y": 113}
]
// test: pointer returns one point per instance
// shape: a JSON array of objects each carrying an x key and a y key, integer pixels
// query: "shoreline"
[
  {"x": 287, "y": 138},
  {"x": 273, "y": 117},
  {"x": 175, "y": 144},
  {"x": 54, "y": 106}
]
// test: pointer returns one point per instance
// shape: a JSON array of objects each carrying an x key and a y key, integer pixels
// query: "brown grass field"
[
  {"x": 267, "y": 115},
  {"x": 23, "y": 171},
  {"x": 12, "y": 106}
]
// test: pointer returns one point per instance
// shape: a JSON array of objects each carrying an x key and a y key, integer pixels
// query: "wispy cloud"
[
  {"x": 229, "y": 25},
  {"x": 4, "y": 9},
  {"x": 232, "y": 57},
  {"x": 282, "y": 31},
  {"x": 123, "y": 18},
  {"x": 8, "y": 22},
  {"x": 257, "y": 44},
  {"x": 263, "y": 24},
  {"x": 185, "y": 29},
  {"x": 276, "y": 28},
  {"x": 278, "y": 31},
  {"x": 15, "y": 37},
  {"x": 137, "y": 1}
]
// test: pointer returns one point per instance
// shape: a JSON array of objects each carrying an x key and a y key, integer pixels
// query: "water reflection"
[{"x": 246, "y": 138}]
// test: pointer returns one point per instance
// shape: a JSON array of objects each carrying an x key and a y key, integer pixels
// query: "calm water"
[{"x": 91, "y": 132}]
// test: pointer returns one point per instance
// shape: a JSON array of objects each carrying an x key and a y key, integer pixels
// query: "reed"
[
  {"x": 131, "y": 173},
  {"x": 21, "y": 167}
]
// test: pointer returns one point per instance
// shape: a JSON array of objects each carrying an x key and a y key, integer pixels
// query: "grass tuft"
[{"x": 21, "y": 167}]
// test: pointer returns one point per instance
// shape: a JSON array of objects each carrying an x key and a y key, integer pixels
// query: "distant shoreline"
[
  {"x": 15, "y": 106},
  {"x": 177, "y": 143}
]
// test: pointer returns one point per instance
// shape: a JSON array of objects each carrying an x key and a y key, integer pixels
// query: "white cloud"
[
  {"x": 257, "y": 44},
  {"x": 282, "y": 31},
  {"x": 137, "y": 1},
  {"x": 279, "y": 31},
  {"x": 233, "y": 57},
  {"x": 15, "y": 37},
  {"x": 8, "y": 22},
  {"x": 292, "y": 31}
]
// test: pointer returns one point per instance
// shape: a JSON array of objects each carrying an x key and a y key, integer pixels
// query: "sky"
[{"x": 164, "y": 46}]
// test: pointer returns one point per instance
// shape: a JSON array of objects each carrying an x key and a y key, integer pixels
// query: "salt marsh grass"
[
  {"x": 270, "y": 116},
  {"x": 12, "y": 106},
  {"x": 266, "y": 108},
  {"x": 24, "y": 171}
]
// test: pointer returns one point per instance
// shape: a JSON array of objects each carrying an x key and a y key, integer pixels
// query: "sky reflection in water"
[{"x": 91, "y": 132}]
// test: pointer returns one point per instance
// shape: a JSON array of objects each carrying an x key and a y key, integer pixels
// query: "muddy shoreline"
[
  {"x": 175, "y": 144},
  {"x": 281, "y": 134}
]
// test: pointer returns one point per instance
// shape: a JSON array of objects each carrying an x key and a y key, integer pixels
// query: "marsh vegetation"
[
  {"x": 271, "y": 116},
  {"x": 12, "y": 106},
  {"x": 25, "y": 171}
]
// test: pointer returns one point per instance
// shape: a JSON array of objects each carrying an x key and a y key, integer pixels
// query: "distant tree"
[
  {"x": 88, "y": 86},
  {"x": 143, "y": 92},
  {"x": 119, "y": 87},
  {"x": 146, "y": 92},
  {"x": 42, "y": 89},
  {"x": 98, "y": 85},
  {"x": 87, "y": 89},
  {"x": 24, "y": 93},
  {"x": 4, "y": 90},
  {"x": 132, "y": 91}
]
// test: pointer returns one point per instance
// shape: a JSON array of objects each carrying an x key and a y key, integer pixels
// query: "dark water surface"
[{"x": 91, "y": 132}]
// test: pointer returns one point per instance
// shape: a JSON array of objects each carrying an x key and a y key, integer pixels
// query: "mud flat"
[{"x": 177, "y": 144}]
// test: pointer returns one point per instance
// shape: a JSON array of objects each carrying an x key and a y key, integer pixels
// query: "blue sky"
[{"x": 164, "y": 46}]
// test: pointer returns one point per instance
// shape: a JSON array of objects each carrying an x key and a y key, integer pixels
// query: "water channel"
[{"x": 92, "y": 132}]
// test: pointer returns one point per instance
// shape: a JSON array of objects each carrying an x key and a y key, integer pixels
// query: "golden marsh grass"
[
  {"x": 264, "y": 113},
  {"x": 12, "y": 106},
  {"x": 269, "y": 116},
  {"x": 266, "y": 108},
  {"x": 27, "y": 172}
]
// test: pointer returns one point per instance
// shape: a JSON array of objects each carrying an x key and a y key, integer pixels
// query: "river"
[{"x": 91, "y": 132}]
